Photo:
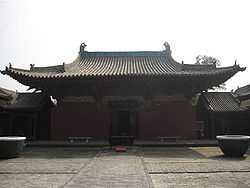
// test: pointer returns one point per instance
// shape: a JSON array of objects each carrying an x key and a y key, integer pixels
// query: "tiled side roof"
[
  {"x": 245, "y": 90},
  {"x": 27, "y": 101},
  {"x": 6, "y": 96},
  {"x": 221, "y": 102}
]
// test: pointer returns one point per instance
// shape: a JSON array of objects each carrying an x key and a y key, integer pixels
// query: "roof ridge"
[
  {"x": 123, "y": 53},
  {"x": 162, "y": 51}
]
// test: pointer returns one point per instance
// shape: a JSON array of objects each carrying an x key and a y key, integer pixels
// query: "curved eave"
[{"x": 217, "y": 76}]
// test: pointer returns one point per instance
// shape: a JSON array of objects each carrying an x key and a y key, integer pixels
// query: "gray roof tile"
[
  {"x": 245, "y": 90},
  {"x": 221, "y": 102},
  {"x": 106, "y": 64},
  {"x": 28, "y": 101}
]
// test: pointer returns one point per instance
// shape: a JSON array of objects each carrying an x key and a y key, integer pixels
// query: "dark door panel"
[{"x": 123, "y": 123}]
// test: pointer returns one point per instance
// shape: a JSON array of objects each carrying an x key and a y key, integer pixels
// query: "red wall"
[
  {"x": 79, "y": 119},
  {"x": 176, "y": 118}
]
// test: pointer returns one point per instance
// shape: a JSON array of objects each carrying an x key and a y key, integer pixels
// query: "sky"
[{"x": 48, "y": 33}]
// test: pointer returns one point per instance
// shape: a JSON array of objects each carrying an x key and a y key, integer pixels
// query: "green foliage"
[{"x": 207, "y": 60}]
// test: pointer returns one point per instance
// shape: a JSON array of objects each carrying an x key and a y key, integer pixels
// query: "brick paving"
[{"x": 156, "y": 167}]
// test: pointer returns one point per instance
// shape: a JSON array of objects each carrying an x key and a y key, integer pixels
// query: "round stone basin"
[
  {"x": 233, "y": 145},
  {"x": 11, "y": 146}
]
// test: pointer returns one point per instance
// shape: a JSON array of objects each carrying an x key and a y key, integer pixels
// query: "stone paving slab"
[
  {"x": 138, "y": 167},
  {"x": 111, "y": 169},
  {"x": 170, "y": 154},
  {"x": 196, "y": 167},
  {"x": 198, "y": 180},
  {"x": 50, "y": 161},
  {"x": 187, "y": 154},
  {"x": 192, "y": 160},
  {"x": 33, "y": 181},
  {"x": 58, "y": 153},
  {"x": 42, "y": 166},
  {"x": 216, "y": 153}
]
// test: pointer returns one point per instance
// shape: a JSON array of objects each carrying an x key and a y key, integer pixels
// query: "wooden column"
[
  {"x": 212, "y": 126},
  {"x": 10, "y": 130},
  {"x": 34, "y": 125}
]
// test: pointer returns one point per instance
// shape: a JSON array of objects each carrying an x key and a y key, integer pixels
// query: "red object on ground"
[{"x": 120, "y": 149}]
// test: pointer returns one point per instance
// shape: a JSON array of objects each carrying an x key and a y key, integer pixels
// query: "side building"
[
  {"x": 25, "y": 114},
  {"x": 243, "y": 95},
  {"x": 145, "y": 94},
  {"x": 221, "y": 113}
]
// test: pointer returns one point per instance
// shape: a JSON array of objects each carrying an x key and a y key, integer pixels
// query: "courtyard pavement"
[{"x": 140, "y": 167}]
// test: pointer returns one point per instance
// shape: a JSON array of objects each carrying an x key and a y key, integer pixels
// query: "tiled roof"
[
  {"x": 220, "y": 102},
  {"x": 124, "y": 63},
  {"x": 118, "y": 64},
  {"x": 133, "y": 65},
  {"x": 6, "y": 96},
  {"x": 27, "y": 101},
  {"x": 243, "y": 91},
  {"x": 109, "y": 64}
]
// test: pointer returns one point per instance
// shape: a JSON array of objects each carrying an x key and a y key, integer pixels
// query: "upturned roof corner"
[
  {"x": 238, "y": 67},
  {"x": 124, "y": 65}
]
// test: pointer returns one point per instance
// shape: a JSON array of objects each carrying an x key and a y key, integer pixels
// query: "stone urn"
[
  {"x": 233, "y": 145},
  {"x": 11, "y": 146}
]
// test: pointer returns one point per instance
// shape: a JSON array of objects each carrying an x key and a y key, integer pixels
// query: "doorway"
[{"x": 123, "y": 123}]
